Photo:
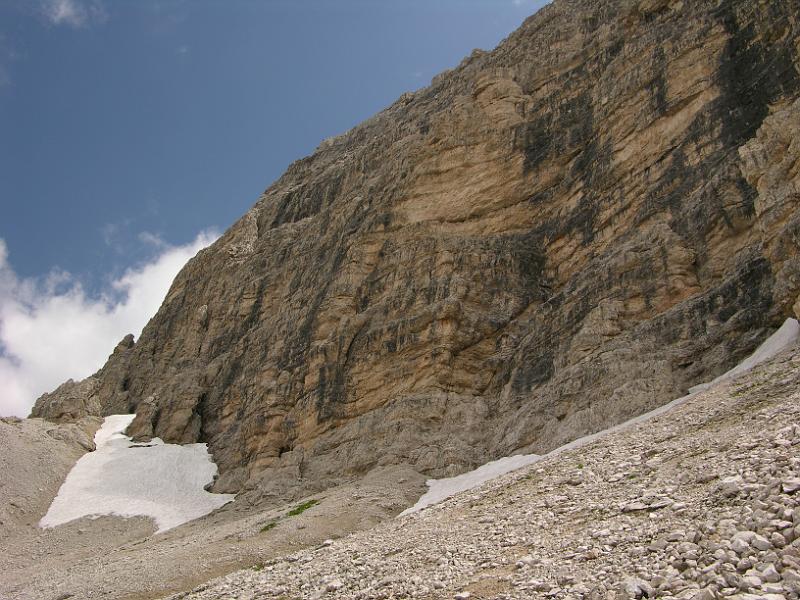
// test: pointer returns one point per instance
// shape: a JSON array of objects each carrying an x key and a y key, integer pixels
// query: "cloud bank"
[{"x": 51, "y": 330}]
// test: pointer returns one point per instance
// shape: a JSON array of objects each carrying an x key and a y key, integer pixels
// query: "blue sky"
[
  {"x": 169, "y": 117},
  {"x": 128, "y": 128}
]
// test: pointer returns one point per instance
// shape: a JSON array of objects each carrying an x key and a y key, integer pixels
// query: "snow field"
[{"x": 157, "y": 480}]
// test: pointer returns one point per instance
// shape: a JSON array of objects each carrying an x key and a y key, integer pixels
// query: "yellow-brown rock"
[{"x": 555, "y": 236}]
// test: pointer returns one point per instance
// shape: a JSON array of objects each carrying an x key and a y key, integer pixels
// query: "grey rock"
[
  {"x": 731, "y": 486},
  {"x": 761, "y": 543},
  {"x": 740, "y": 546},
  {"x": 791, "y": 485},
  {"x": 770, "y": 575}
]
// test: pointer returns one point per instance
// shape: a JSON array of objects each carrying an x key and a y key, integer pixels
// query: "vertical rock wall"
[{"x": 553, "y": 237}]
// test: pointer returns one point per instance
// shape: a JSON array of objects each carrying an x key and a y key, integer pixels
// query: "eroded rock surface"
[
  {"x": 699, "y": 503},
  {"x": 554, "y": 236}
]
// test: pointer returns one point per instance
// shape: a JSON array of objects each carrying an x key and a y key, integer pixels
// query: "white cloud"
[
  {"x": 74, "y": 13},
  {"x": 152, "y": 239},
  {"x": 51, "y": 330}
]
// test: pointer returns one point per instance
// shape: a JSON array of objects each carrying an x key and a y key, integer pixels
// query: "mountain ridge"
[{"x": 553, "y": 237}]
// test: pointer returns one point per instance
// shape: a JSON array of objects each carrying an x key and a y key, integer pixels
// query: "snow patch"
[
  {"x": 441, "y": 489},
  {"x": 161, "y": 481}
]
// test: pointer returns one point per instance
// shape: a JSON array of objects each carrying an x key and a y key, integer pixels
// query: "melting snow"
[
  {"x": 161, "y": 481},
  {"x": 441, "y": 489}
]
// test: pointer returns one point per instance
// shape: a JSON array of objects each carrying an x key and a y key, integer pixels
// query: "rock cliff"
[{"x": 553, "y": 237}]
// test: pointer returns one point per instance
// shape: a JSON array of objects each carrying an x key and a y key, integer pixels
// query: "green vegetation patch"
[
  {"x": 301, "y": 508},
  {"x": 268, "y": 526},
  {"x": 297, "y": 510}
]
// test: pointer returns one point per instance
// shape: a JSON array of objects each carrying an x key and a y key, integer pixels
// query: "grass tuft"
[
  {"x": 297, "y": 510},
  {"x": 268, "y": 526},
  {"x": 301, "y": 508}
]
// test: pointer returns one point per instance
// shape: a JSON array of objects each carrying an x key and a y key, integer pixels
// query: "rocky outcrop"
[
  {"x": 73, "y": 401},
  {"x": 554, "y": 236},
  {"x": 70, "y": 402}
]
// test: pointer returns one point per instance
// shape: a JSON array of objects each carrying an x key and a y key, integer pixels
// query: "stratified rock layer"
[
  {"x": 631, "y": 516},
  {"x": 555, "y": 236}
]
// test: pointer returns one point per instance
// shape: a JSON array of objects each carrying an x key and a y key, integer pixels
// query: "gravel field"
[
  {"x": 115, "y": 558},
  {"x": 699, "y": 502}
]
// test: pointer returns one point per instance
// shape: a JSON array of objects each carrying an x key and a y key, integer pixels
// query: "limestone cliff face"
[{"x": 554, "y": 236}]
